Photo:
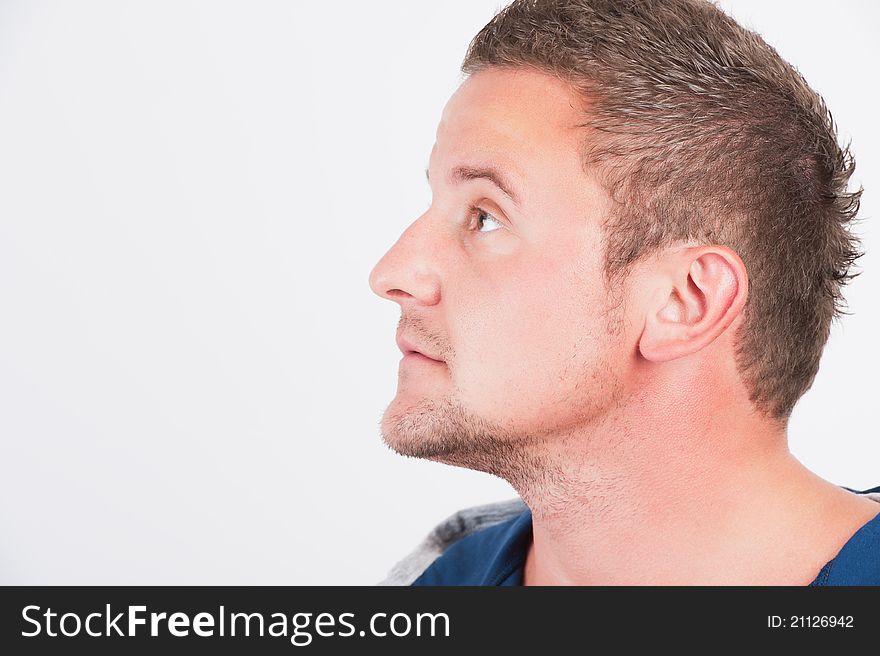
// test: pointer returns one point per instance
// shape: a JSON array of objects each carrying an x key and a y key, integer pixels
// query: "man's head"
[{"x": 678, "y": 217}]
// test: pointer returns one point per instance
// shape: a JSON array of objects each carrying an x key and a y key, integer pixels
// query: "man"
[{"x": 625, "y": 280}]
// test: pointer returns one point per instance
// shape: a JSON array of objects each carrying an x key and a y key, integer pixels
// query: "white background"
[{"x": 192, "y": 365}]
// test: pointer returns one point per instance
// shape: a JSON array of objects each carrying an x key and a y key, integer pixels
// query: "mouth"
[
  {"x": 412, "y": 351},
  {"x": 415, "y": 356}
]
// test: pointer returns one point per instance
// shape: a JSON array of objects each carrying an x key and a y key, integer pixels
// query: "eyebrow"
[{"x": 492, "y": 174}]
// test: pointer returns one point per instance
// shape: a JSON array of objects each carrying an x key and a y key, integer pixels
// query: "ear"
[{"x": 701, "y": 291}]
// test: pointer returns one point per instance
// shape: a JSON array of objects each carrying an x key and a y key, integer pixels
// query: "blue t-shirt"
[{"x": 496, "y": 555}]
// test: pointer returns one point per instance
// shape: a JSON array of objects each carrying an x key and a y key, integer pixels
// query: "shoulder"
[
  {"x": 463, "y": 528},
  {"x": 858, "y": 563}
]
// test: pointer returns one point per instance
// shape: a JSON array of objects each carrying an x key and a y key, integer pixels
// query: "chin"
[
  {"x": 416, "y": 428},
  {"x": 445, "y": 431}
]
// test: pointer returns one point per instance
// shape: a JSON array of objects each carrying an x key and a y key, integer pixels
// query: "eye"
[{"x": 482, "y": 220}]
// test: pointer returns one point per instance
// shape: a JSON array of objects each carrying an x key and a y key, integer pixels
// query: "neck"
[{"x": 630, "y": 505}]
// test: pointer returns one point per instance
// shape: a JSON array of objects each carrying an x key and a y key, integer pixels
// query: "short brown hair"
[{"x": 699, "y": 130}]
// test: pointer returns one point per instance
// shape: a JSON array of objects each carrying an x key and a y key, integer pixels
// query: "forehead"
[{"x": 521, "y": 119}]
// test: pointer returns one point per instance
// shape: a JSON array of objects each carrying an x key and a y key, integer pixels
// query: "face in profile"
[{"x": 508, "y": 333}]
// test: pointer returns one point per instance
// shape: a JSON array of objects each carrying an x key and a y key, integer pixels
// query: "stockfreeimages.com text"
[{"x": 299, "y": 627}]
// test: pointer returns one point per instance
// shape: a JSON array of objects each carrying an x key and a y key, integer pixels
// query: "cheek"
[
  {"x": 546, "y": 305},
  {"x": 525, "y": 340}
]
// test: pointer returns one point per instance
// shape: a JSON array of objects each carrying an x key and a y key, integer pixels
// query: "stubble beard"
[{"x": 544, "y": 467}]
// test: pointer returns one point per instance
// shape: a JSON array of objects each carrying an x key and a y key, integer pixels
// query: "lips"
[{"x": 407, "y": 346}]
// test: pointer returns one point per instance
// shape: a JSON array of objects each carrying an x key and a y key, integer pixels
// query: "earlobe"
[{"x": 703, "y": 290}]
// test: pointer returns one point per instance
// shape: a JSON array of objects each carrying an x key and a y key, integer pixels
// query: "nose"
[{"x": 409, "y": 271}]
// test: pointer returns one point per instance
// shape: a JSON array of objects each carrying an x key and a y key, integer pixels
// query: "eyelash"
[{"x": 475, "y": 212}]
